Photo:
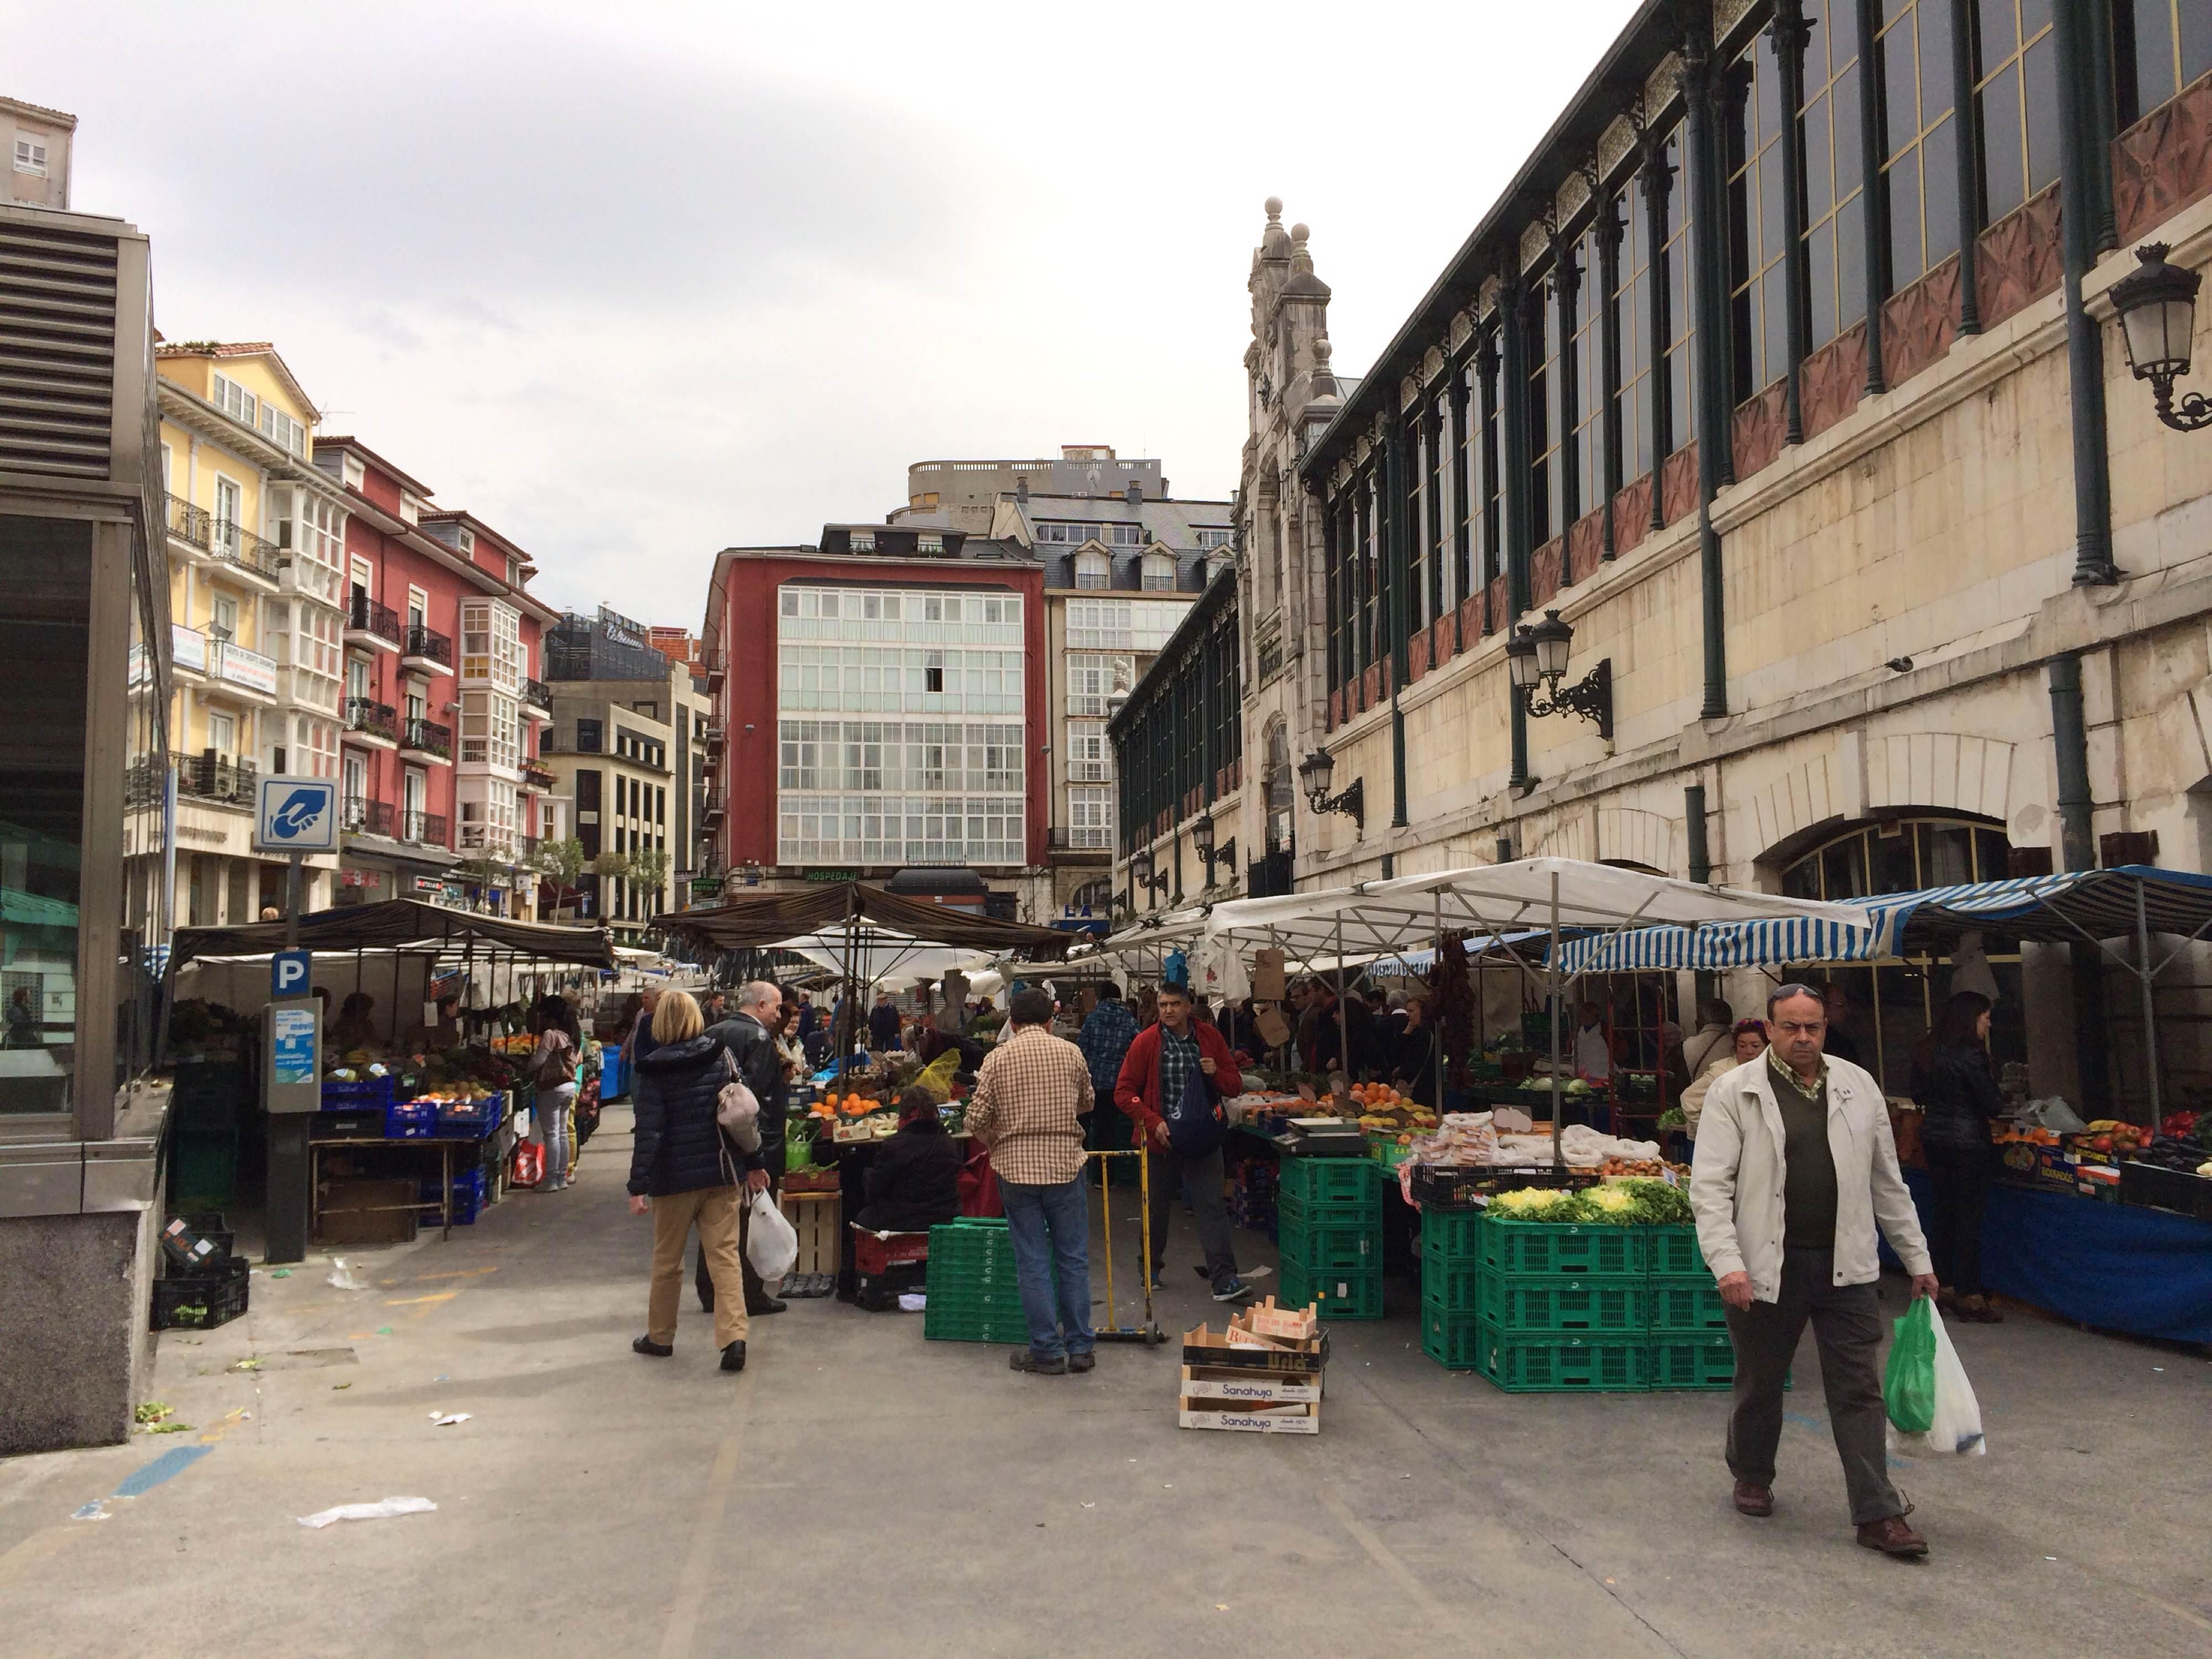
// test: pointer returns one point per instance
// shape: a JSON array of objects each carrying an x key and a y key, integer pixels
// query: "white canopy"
[
  {"x": 887, "y": 959},
  {"x": 1160, "y": 930}
]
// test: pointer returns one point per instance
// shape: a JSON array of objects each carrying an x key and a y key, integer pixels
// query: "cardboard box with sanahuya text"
[{"x": 1204, "y": 1347}]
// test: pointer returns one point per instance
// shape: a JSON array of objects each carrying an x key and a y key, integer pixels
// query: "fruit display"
[
  {"x": 1383, "y": 1108},
  {"x": 2109, "y": 1139}
]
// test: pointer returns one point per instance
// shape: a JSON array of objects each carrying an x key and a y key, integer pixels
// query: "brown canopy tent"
[
  {"x": 399, "y": 925},
  {"x": 761, "y": 919}
]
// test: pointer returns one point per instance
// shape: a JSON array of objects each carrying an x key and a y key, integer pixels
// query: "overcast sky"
[{"x": 634, "y": 283}]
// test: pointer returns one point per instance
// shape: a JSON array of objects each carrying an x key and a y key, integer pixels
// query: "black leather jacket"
[{"x": 754, "y": 1049}]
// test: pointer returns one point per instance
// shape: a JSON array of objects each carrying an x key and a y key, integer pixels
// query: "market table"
[
  {"x": 2114, "y": 1267},
  {"x": 318, "y": 1144}
]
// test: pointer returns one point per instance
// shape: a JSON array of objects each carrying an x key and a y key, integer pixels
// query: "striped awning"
[{"x": 2077, "y": 904}]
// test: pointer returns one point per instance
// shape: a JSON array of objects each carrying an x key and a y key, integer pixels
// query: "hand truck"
[{"x": 1106, "y": 1330}]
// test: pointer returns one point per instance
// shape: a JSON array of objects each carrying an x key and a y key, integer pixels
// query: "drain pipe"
[
  {"x": 2069, "y": 738},
  {"x": 1693, "y": 819}
]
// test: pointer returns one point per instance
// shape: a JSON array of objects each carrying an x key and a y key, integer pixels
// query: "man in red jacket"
[{"x": 1159, "y": 1064}]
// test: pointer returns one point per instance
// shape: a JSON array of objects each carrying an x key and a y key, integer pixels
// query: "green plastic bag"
[{"x": 1908, "y": 1387}]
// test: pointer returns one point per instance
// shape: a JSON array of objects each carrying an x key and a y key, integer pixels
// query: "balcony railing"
[
  {"x": 204, "y": 776},
  {"x": 537, "y": 776},
  {"x": 365, "y": 615},
  {"x": 220, "y": 538},
  {"x": 525, "y": 847},
  {"x": 429, "y": 644},
  {"x": 537, "y": 694},
  {"x": 372, "y": 719},
  {"x": 429, "y": 737},
  {"x": 190, "y": 524},
  {"x": 427, "y": 828},
  {"x": 364, "y": 817},
  {"x": 488, "y": 838}
]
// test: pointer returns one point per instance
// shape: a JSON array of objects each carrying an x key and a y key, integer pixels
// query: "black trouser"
[
  {"x": 755, "y": 1293},
  {"x": 1209, "y": 1209},
  {"x": 1958, "y": 1183},
  {"x": 1846, "y": 1322}
]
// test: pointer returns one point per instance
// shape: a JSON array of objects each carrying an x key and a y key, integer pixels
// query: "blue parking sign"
[
  {"x": 288, "y": 975},
  {"x": 296, "y": 815}
]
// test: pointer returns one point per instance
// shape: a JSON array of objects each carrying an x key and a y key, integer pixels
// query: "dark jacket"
[
  {"x": 1138, "y": 1090},
  {"x": 883, "y": 1026},
  {"x": 1415, "y": 1061},
  {"x": 761, "y": 1066},
  {"x": 1959, "y": 1097},
  {"x": 914, "y": 1182},
  {"x": 679, "y": 1146}
]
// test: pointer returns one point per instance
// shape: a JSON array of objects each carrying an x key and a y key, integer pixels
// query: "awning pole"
[
  {"x": 1429, "y": 1008},
  {"x": 1343, "y": 1014},
  {"x": 2147, "y": 975},
  {"x": 1552, "y": 972}
]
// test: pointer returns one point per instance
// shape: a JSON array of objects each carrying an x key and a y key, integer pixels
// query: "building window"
[
  {"x": 1089, "y": 817},
  {"x": 1835, "y": 198},
  {"x": 1092, "y": 680},
  {"x": 1087, "y": 756},
  {"x": 1678, "y": 363},
  {"x": 1093, "y": 569},
  {"x": 1630, "y": 300},
  {"x": 1920, "y": 174},
  {"x": 2159, "y": 46},
  {"x": 1586, "y": 353},
  {"x": 30, "y": 157},
  {"x": 2016, "y": 101},
  {"x": 1757, "y": 186},
  {"x": 1124, "y": 535},
  {"x": 1541, "y": 329},
  {"x": 230, "y": 514},
  {"x": 862, "y": 541},
  {"x": 235, "y": 401},
  {"x": 1158, "y": 573},
  {"x": 1067, "y": 534},
  {"x": 1207, "y": 539}
]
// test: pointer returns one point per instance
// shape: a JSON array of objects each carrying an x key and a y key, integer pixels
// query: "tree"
[
  {"x": 648, "y": 872},
  {"x": 560, "y": 862},
  {"x": 611, "y": 865}
]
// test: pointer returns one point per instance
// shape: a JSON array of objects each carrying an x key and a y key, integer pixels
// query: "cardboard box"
[
  {"x": 1269, "y": 1318},
  {"x": 1202, "y": 1346},
  {"x": 1269, "y": 982},
  {"x": 1244, "y": 1388},
  {"x": 368, "y": 1213},
  {"x": 1291, "y": 1420}
]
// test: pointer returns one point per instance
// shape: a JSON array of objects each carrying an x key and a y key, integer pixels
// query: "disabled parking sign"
[{"x": 296, "y": 815}]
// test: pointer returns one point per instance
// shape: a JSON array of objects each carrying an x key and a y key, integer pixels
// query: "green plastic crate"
[
  {"x": 1570, "y": 1306},
  {"x": 1304, "y": 1216},
  {"x": 1453, "y": 1340},
  {"x": 1322, "y": 1181},
  {"x": 964, "y": 1325},
  {"x": 1688, "y": 1306},
  {"x": 1329, "y": 1248},
  {"x": 1451, "y": 1283},
  {"x": 1538, "y": 1362},
  {"x": 1685, "y": 1360},
  {"x": 1453, "y": 1234},
  {"x": 1569, "y": 1250},
  {"x": 1340, "y": 1295},
  {"x": 1672, "y": 1252}
]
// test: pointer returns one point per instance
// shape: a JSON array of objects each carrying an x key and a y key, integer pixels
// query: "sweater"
[
  {"x": 677, "y": 1146},
  {"x": 914, "y": 1182}
]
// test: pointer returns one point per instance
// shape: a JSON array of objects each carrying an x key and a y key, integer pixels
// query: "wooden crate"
[{"x": 816, "y": 1218}]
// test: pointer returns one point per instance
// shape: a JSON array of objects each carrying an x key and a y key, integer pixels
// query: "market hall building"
[{"x": 1768, "y": 374}]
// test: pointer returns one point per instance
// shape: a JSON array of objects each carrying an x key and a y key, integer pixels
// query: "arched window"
[
  {"x": 1093, "y": 568},
  {"x": 1159, "y": 573},
  {"x": 1096, "y": 896},
  {"x": 1281, "y": 788},
  {"x": 1894, "y": 1001}
]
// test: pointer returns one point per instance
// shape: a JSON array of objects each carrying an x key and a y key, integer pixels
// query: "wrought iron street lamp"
[
  {"x": 2157, "y": 307},
  {"x": 1315, "y": 772},
  {"x": 1201, "y": 841},
  {"x": 1141, "y": 874},
  {"x": 1536, "y": 659}
]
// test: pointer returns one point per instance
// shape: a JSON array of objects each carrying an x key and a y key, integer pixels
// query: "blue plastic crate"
[
  {"x": 370, "y": 1091},
  {"x": 456, "y": 1120},
  {"x": 466, "y": 1208},
  {"x": 411, "y": 1120}
]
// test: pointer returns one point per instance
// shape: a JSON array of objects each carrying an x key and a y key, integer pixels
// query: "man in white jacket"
[{"x": 1795, "y": 1165}]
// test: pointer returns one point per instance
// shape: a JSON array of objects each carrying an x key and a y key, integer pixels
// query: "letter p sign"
[{"x": 289, "y": 974}]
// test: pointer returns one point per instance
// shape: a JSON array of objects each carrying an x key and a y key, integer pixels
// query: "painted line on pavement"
[
  {"x": 1405, "y": 1578},
  {"x": 706, "y": 1549},
  {"x": 167, "y": 1466},
  {"x": 416, "y": 1301}
]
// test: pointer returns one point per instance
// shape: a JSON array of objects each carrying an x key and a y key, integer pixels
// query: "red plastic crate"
[{"x": 873, "y": 1254}]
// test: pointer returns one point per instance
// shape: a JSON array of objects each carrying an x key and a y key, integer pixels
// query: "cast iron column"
[
  {"x": 1871, "y": 212},
  {"x": 1789, "y": 33},
  {"x": 1608, "y": 321},
  {"x": 2085, "y": 345},
  {"x": 1705, "y": 226}
]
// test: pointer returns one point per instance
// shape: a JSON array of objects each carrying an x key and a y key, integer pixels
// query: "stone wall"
[{"x": 73, "y": 1342}]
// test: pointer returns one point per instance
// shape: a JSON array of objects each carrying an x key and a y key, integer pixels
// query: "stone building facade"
[{"x": 1895, "y": 577}]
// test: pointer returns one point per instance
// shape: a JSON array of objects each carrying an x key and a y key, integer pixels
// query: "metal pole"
[
  {"x": 2145, "y": 974},
  {"x": 1552, "y": 975},
  {"x": 292, "y": 901},
  {"x": 1343, "y": 1014},
  {"x": 1436, "y": 973}
]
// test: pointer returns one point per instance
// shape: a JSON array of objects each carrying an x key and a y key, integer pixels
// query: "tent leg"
[
  {"x": 2147, "y": 975},
  {"x": 1551, "y": 974}
]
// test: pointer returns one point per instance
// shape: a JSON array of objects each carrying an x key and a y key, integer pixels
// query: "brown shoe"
[
  {"x": 1978, "y": 1310},
  {"x": 1893, "y": 1537},
  {"x": 1753, "y": 1499}
]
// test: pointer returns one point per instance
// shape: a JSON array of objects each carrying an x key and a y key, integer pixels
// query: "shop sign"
[
  {"x": 621, "y": 629},
  {"x": 247, "y": 668},
  {"x": 430, "y": 884},
  {"x": 706, "y": 887},
  {"x": 188, "y": 647},
  {"x": 830, "y": 875}
]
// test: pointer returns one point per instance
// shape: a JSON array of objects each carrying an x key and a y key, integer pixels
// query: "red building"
[
  {"x": 878, "y": 703},
  {"x": 444, "y": 699}
]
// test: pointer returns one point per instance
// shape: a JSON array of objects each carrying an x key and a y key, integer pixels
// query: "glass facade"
[
  {"x": 1920, "y": 169},
  {"x": 1759, "y": 282},
  {"x": 2016, "y": 68},
  {"x": 943, "y": 783},
  {"x": 1835, "y": 175}
]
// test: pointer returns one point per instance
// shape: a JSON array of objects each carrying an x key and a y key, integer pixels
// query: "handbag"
[{"x": 737, "y": 1108}]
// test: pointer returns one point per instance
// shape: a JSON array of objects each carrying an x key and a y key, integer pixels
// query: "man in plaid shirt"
[
  {"x": 1028, "y": 1106},
  {"x": 1105, "y": 1039}
]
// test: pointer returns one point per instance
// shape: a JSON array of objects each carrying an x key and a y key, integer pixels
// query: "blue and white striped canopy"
[{"x": 2075, "y": 905}]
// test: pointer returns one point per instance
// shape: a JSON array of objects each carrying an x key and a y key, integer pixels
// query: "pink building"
[{"x": 444, "y": 700}]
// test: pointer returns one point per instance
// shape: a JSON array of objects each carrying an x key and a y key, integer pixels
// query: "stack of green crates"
[
  {"x": 974, "y": 1296},
  {"x": 1537, "y": 1306},
  {"x": 1329, "y": 1228}
]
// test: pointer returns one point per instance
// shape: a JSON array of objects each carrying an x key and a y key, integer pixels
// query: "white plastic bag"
[
  {"x": 771, "y": 1242},
  {"x": 1956, "y": 1430}
]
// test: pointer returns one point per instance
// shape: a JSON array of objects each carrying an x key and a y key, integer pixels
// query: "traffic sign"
[
  {"x": 297, "y": 814},
  {"x": 288, "y": 975}
]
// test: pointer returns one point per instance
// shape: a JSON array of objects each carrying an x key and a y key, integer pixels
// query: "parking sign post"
[{"x": 297, "y": 818}]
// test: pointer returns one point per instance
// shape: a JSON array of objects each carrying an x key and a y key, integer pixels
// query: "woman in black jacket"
[
  {"x": 913, "y": 1183},
  {"x": 685, "y": 1173},
  {"x": 1959, "y": 1098}
]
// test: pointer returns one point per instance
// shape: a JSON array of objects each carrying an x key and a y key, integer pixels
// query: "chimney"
[
  {"x": 1022, "y": 487},
  {"x": 1135, "y": 491}
]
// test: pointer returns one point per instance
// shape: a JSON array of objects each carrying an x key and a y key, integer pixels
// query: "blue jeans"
[{"x": 1051, "y": 1231}]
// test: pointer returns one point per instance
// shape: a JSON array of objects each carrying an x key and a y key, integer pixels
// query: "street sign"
[
  {"x": 289, "y": 972},
  {"x": 296, "y": 815},
  {"x": 292, "y": 1069}
]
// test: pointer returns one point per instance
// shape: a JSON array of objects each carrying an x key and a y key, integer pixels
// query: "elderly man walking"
[
  {"x": 1795, "y": 1166},
  {"x": 1028, "y": 1106},
  {"x": 750, "y": 1036}
]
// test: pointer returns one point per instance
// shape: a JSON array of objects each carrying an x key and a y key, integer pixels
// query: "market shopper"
[
  {"x": 750, "y": 1036},
  {"x": 1028, "y": 1108},
  {"x": 553, "y": 1083},
  {"x": 1108, "y": 1032},
  {"x": 884, "y": 1023},
  {"x": 1715, "y": 1037},
  {"x": 1593, "y": 1054},
  {"x": 1413, "y": 1065},
  {"x": 1794, "y": 1167},
  {"x": 1959, "y": 1098},
  {"x": 685, "y": 1173},
  {"x": 1749, "y": 1038},
  {"x": 1842, "y": 1043},
  {"x": 1159, "y": 1065},
  {"x": 912, "y": 1182}
]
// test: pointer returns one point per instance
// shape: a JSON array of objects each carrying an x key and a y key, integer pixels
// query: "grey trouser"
[
  {"x": 1846, "y": 1322},
  {"x": 1209, "y": 1209}
]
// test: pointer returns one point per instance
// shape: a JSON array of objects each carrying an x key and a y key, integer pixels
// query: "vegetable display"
[{"x": 1633, "y": 1202}]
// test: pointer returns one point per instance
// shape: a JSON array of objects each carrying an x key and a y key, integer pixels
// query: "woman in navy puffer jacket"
[{"x": 686, "y": 1174}]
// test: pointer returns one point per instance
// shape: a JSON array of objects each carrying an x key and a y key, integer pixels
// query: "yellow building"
[{"x": 255, "y": 544}]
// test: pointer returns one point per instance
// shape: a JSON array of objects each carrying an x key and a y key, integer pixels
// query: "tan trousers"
[{"x": 714, "y": 1211}]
